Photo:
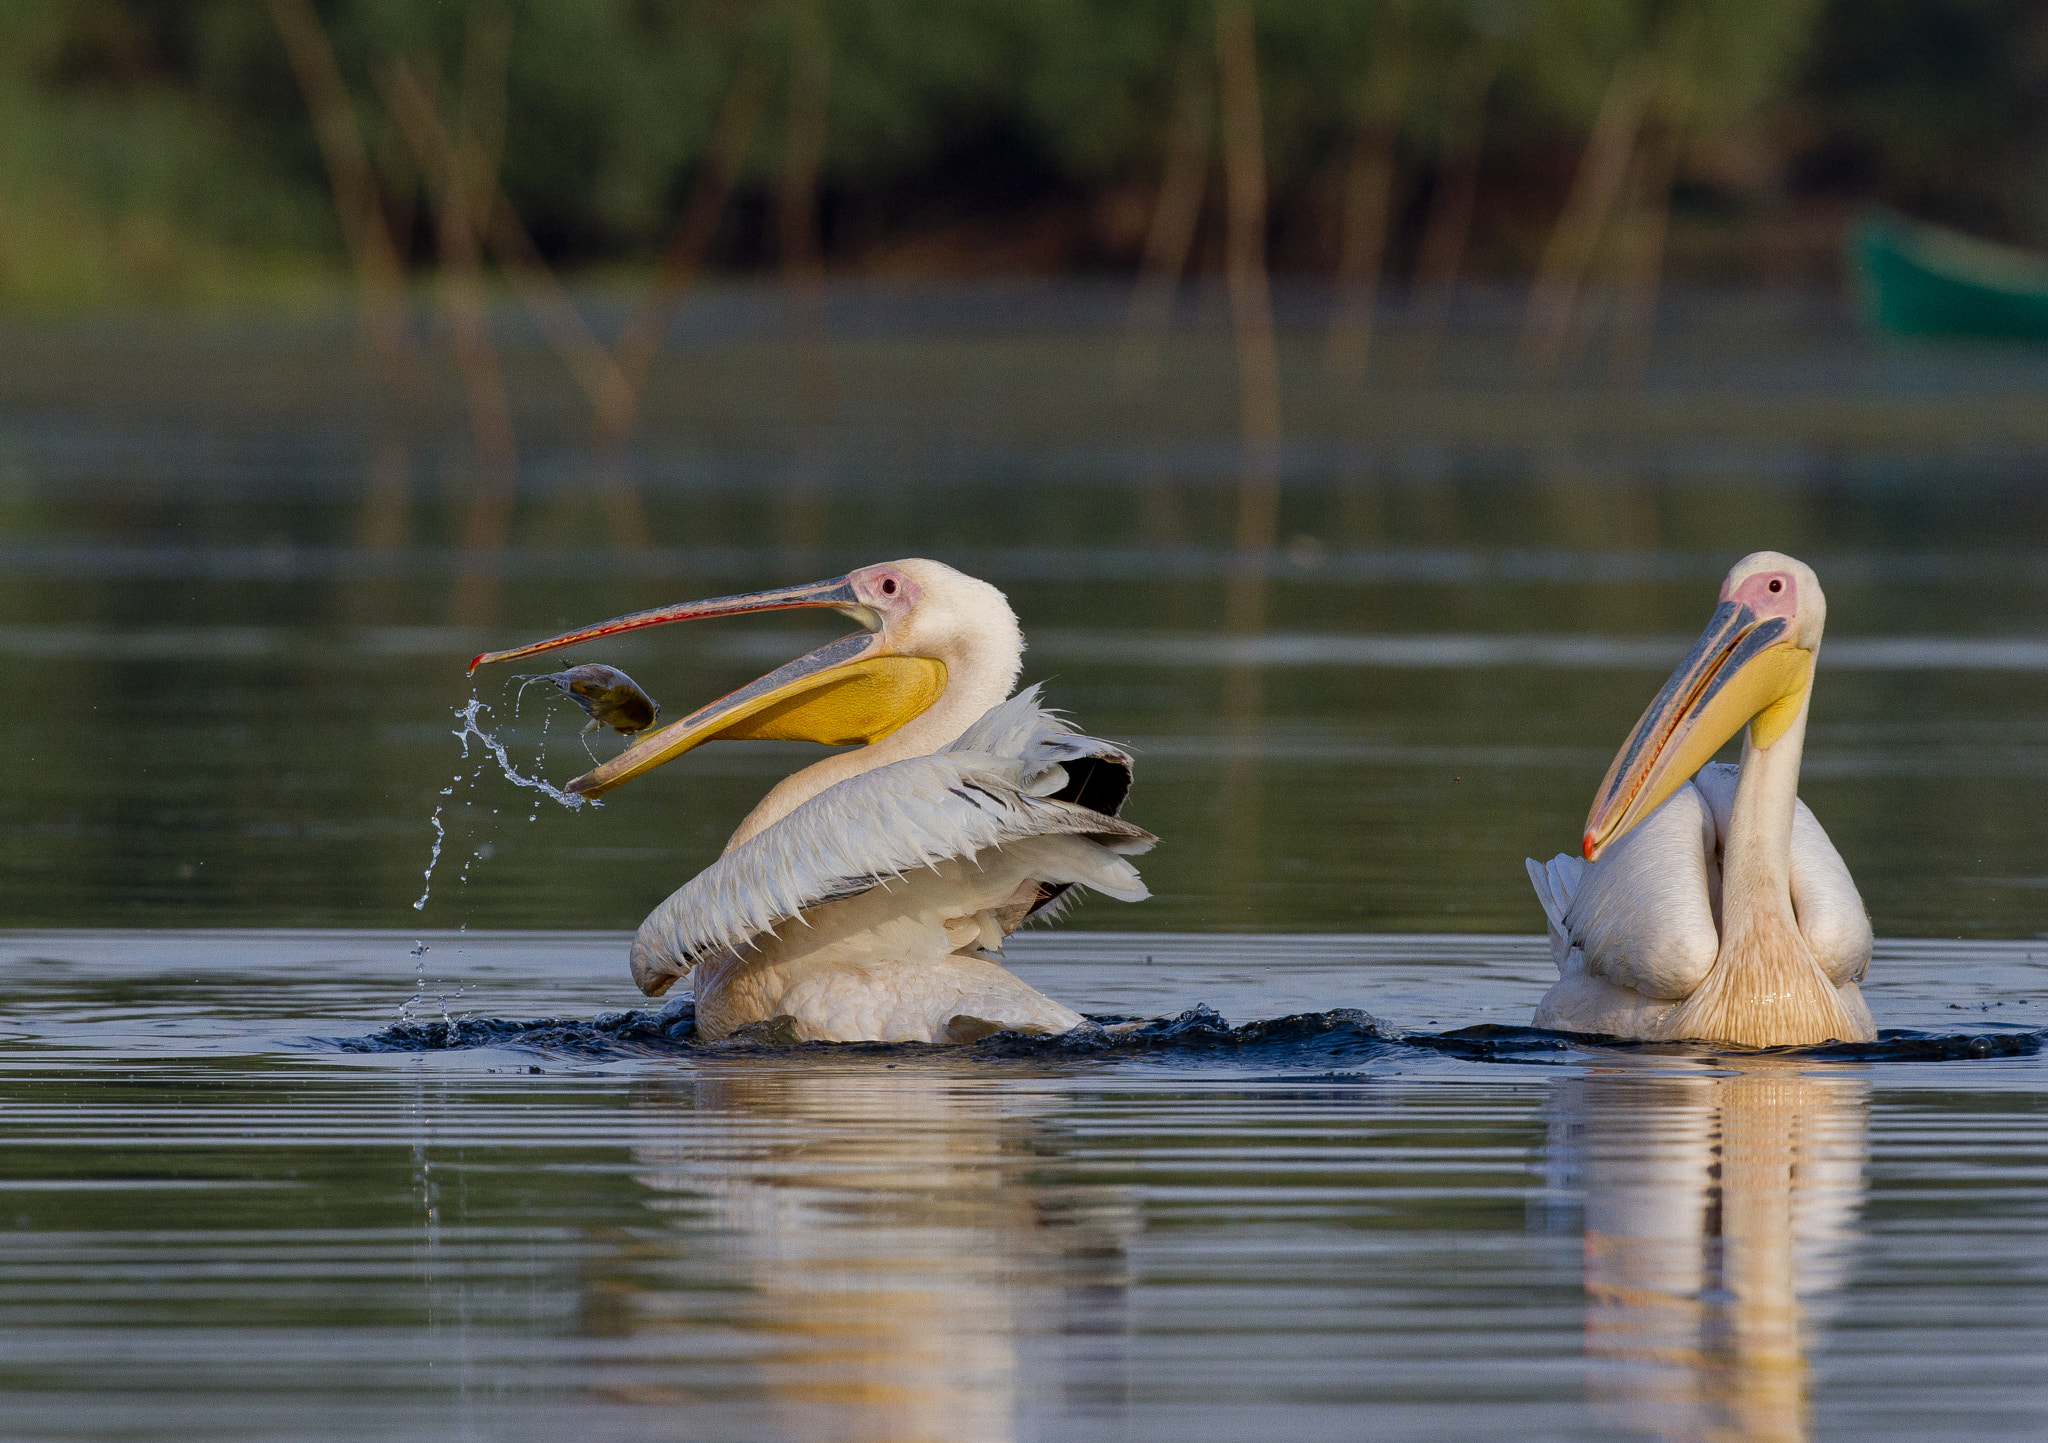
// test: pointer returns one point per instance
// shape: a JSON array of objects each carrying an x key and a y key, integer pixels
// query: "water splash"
[
  {"x": 410, "y": 1009},
  {"x": 545, "y": 718},
  {"x": 440, "y": 836},
  {"x": 419, "y": 980},
  {"x": 470, "y": 716}
]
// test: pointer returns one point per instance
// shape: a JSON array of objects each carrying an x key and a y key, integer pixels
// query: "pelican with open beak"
[
  {"x": 1709, "y": 903},
  {"x": 867, "y": 897}
]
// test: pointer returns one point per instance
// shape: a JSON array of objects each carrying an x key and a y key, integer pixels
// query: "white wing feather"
[
  {"x": 990, "y": 787},
  {"x": 1643, "y": 915},
  {"x": 1556, "y": 883}
]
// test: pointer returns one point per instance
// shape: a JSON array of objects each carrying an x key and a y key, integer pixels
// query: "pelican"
[
  {"x": 1710, "y": 905},
  {"x": 867, "y": 897}
]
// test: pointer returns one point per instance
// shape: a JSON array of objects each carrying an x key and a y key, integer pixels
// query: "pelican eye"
[
  {"x": 1777, "y": 586},
  {"x": 889, "y": 586}
]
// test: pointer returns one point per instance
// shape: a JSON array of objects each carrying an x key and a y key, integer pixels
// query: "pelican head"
[
  {"x": 1752, "y": 666},
  {"x": 923, "y": 623}
]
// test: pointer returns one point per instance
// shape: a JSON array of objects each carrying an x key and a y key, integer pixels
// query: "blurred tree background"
[{"x": 164, "y": 149}]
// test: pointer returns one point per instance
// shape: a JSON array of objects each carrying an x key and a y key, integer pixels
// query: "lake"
[{"x": 249, "y": 1199}]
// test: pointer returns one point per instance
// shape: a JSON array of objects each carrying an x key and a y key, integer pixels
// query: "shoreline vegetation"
[
  {"x": 277, "y": 151},
  {"x": 1568, "y": 154}
]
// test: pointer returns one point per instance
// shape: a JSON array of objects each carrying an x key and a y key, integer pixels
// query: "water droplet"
[
  {"x": 440, "y": 835},
  {"x": 470, "y": 717}
]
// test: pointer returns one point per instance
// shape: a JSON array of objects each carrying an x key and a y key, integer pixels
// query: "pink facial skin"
[
  {"x": 1767, "y": 593},
  {"x": 886, "y": 589}
]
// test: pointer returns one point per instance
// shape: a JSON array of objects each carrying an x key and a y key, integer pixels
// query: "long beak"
[
  {"x": 836, "y": 594},
  {"x": 850, "y": 691},
  {"x": 1742, "y": 671}
]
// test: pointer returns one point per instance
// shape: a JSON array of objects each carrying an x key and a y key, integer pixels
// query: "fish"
[{"x": 607, "y": 695}]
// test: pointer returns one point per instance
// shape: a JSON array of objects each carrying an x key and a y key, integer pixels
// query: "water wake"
[{"x": 1317, "y": 1039}]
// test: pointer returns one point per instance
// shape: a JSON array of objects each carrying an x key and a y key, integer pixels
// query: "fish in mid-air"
[{"x": 607, "y": 695}]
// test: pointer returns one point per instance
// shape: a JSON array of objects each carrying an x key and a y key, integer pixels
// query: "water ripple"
[{"x": 1305, "y": 1038}]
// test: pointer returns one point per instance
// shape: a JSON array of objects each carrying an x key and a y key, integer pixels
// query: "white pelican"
[
  {"x": 1710, "y": 903},
  {"x": 867, "y": 897}
]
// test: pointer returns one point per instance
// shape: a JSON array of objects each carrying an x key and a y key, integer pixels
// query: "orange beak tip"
[
  {"x": 477, "y": 661},
  {"x": 1589, "y": 847}
]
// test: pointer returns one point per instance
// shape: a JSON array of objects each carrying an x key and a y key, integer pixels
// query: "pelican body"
[
  {"x": 867, "y": 897},
  {"x": 1709, "y": 903}
]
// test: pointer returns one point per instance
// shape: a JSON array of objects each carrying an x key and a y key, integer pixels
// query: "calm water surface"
[
  {"x": 231, "y": 599},
  {"x": 235, "y": 608}
]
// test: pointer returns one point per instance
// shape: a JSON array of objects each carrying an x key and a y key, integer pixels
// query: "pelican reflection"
[
  {"x": 1721, "y": 1202},
  {"x": 885, "y": 1250}
]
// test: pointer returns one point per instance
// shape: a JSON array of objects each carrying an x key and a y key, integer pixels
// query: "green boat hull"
[{"x": 1922, "y": 280}]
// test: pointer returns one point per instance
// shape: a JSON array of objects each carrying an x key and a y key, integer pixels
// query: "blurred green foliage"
[{"x": 162, "y": 147}]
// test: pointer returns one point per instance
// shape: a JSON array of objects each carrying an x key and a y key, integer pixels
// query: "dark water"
[
  {"x": 244, "y": 1198},
  {"x": 235, "y": 620}
]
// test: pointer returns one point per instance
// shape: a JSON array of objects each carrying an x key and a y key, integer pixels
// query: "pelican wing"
[
  {"x": 1557, "y": 883},
  {"x": 1642, "y": 917},
  {"x": 1058, "y": 761},
  {"x": 1825, "y": 899},
  {"x": 1012, "y": 775}
]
